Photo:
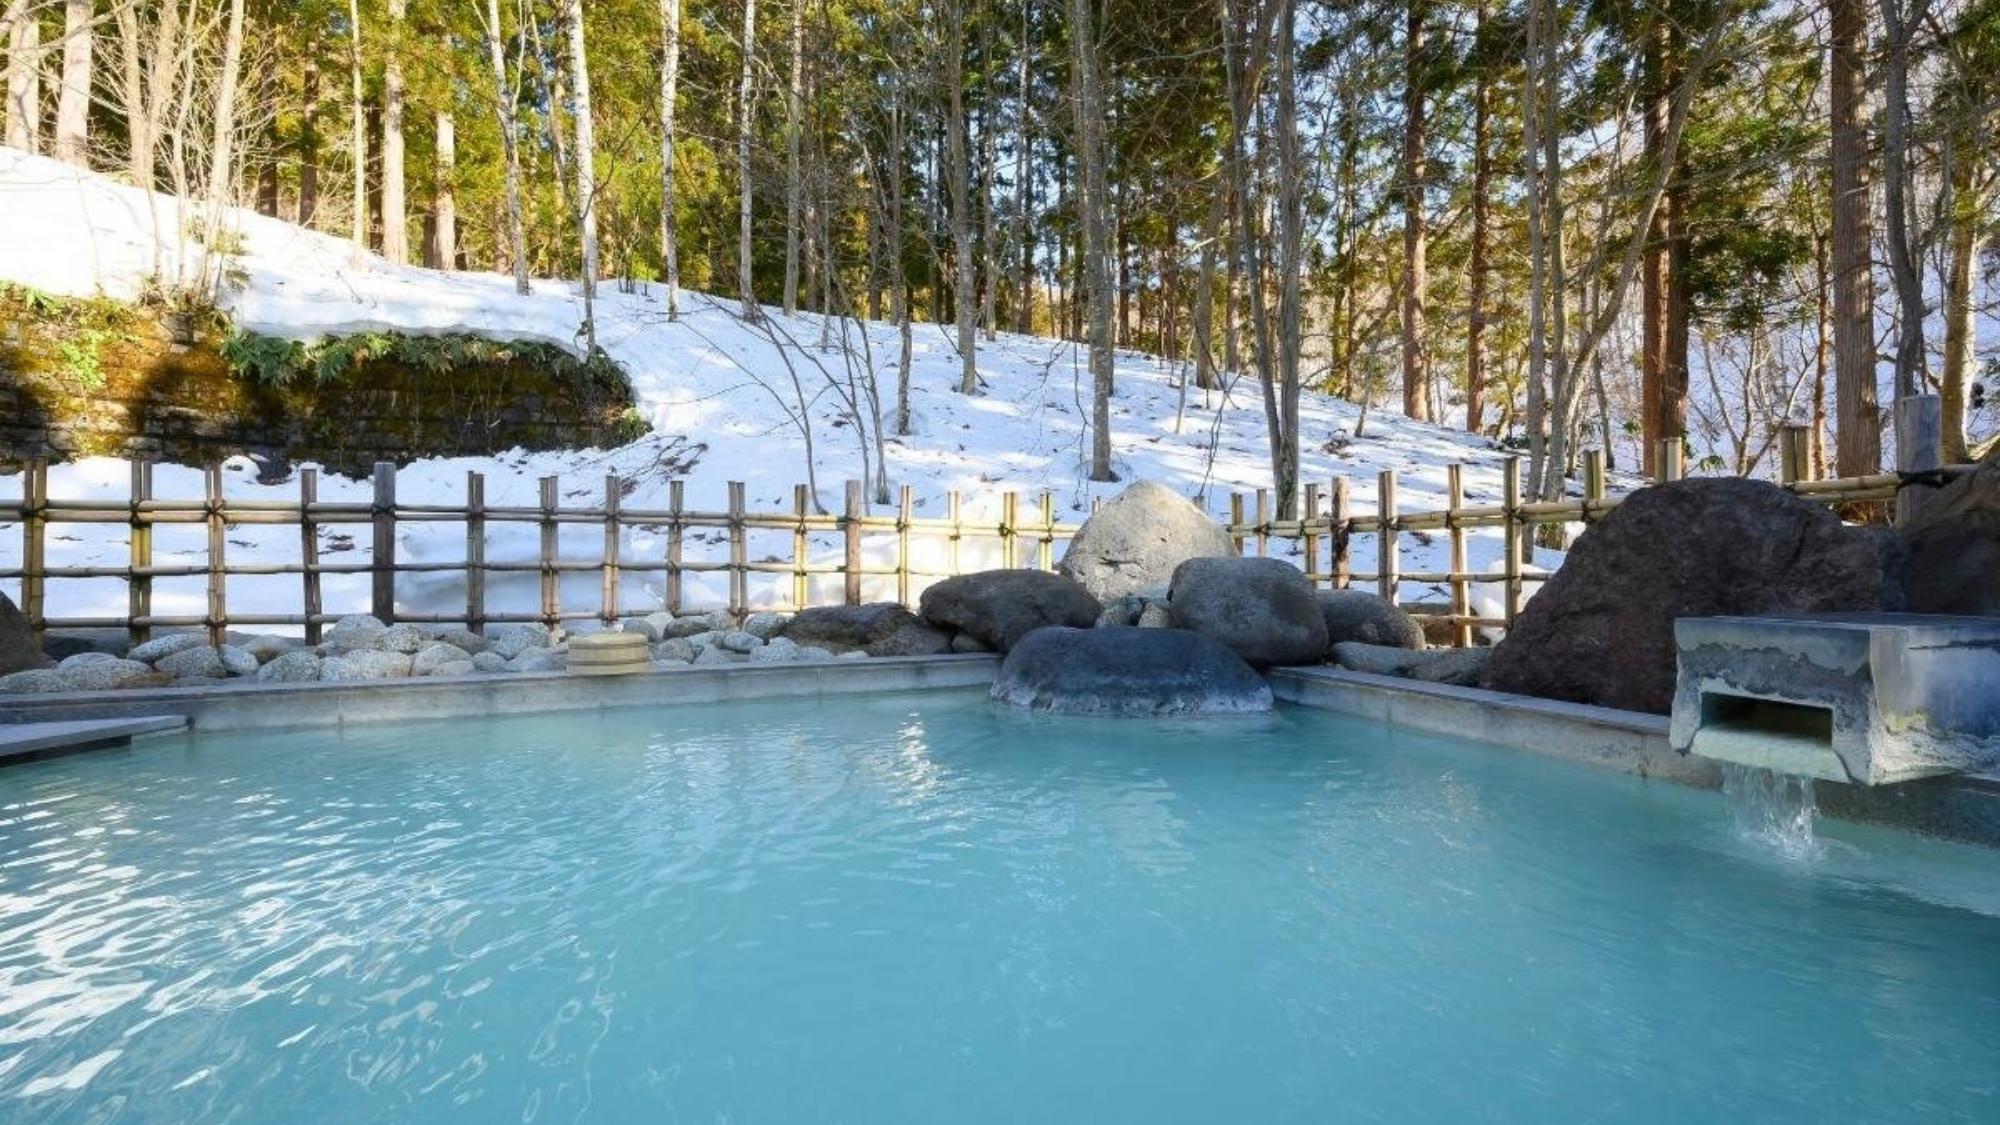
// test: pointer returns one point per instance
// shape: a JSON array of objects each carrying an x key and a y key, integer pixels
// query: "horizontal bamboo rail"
[{"x": 1323, "y": 533}]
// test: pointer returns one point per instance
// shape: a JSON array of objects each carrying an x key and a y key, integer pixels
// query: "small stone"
[
  {"x": 1155, "y": 616},
  {"x": 358, "y": 633},
  {"x": 454, "y": 668},
  {"x": 435, "y": 654},
  {"x": 539, "y": 660},
  {"x": 104, "y": 675},
  {"x": 464, "y": 639},
  {"x": 778, "y": 651},
  {"x": 237, "y": 660},
  {"x": 297, "y": 666},
  {"x": 152, "y": 651},
  {"x": 32, "y": 681},
  {"x": 717, "y": 656},
  {"x": 764, "y": 626},
  {"x": 201, "y": 661},
  {"x": 697, "y": 623},
  {"x": 510, "y": 641},
  {"x": 679, "y": 650},
  {"x": 643, "y": 626},
  {"x": 813, "y": 654},
  {"x": 78, "y": 660},
  {"x": 966, "y": 642},
  {"x": 490, "y": 662},
  {"x": 857, "y": 654},
  {"x": 366, "y": 665},
  {"x": 404, "y": 638},
  {"x": 267, "y": 647},
  {"x": 739, "y": 641}
]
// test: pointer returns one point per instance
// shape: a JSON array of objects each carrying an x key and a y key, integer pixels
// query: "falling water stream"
[{"x": 1775, "y": 810}]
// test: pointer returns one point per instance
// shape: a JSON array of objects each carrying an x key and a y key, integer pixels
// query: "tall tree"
[
  {"x": 73, "y": 101},
  {"x": 670, "y": 79},
  {"x": 745, "y": 89},
  {"x": 1858, "y": 435},
  {"x": 222, "y": 149},
  {"x": 1478, "y": 269},
  {"x": 24, "y": 76},
  {"x": 1092, "y": 206},
  {"x": 961, "y": 203},
  {"x": 794, "y": 136},
  {"x": 586, "y": 171},
  {"x": 444, "y": 192},
  {"x": 505, "y": 107},
  {"x": 395, "y": 211},
  {"x": 358, "y": 142},
  {"x": 1416, "y": 354}
]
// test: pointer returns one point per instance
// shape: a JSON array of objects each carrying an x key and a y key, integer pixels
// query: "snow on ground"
[{"x": 721, "y": 396}]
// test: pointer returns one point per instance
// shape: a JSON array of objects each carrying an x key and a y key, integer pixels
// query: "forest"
[{"x": 1562, "y": 224}]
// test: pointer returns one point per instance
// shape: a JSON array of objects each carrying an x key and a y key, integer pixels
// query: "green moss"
[{"x": 275, "y": 362}]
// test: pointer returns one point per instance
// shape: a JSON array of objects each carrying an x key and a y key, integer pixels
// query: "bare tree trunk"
[
  {"x": 1477, "y": 266},
  {"x": 1202, "y": 312},
  {"x": 1961, "y": 328},
  {"x": 395, "y": 212},
  {"x": 586, "y": 171},
  {"x": 989, "y": 296},
  {"x": 1291, "y": 263},
  {"x": 1416, "y": 357},
  {"x": 222, "y": 150},
  {"x": 309, "y": 139},
  {"x": 899, "y": 282},
  {"x": 1858, "y": 438},
  {"x": 794, "y": 126},
  {"x": 444, "y": 211},
  {"x": 73, "y": 102},
  {"x": 1088, "y": 102},
  {"x": 1532, "y": 98},
  {"x": 745, "y": 87},
  {"x": 1822, "y": 348},
  {"x": 359, "y": 143},
  {"x": 1901, "y": 239},
  {"x": 670, "y": 77},
  {"x": 505, "y": 105},
  {"x": 1024, "y": 186},
  {"x": 963, "y": 297},
  {"x": 24, "y": 77}
]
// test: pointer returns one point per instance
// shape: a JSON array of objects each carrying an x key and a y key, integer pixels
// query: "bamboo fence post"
[
  {"x": 1046, "y": 558},
  {"x": 1010, "y": 504},
  {"x": 475, "y": 552},
  {"x": 139, "y": 586},
  {"x": 1792, "y": 463},
  {"x": 551, "y": 544},
  {"x": 34, "y": 561},
  {"x": 1461, "y": 582},
  {"x": 1385, "y": 539},
  {"x": 1669, "y": 459},
  {"x": 676, "y": 504},
  {"x": 1342, "y": 533},
  {"x": 218, "y": 590},
  {"x": 1510, "y": 507},
  {"x": 608, "y": 612},
  {"x": 905, "y": 504},
  {"x": 309, "y": 581},
  {"x": 1593, "y": 482},
  {"x": 956, "y": 514},
  {"x": 382, "y": 545},
  {"x": 739, "y": 554},
  {"x": 801, "y": 549},
  {"x": 1236, "y": 533},
  {"x": 857, "y": 508},
  {"x": 1309, "y": 538},
  {"x": 1263, "y": 523},
  {"x": 1919, "y": 421}
]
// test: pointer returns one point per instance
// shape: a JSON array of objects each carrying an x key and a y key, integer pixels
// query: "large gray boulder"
[
  {"x": 1365, "y": 618},
  {"x": 1954, "y": 547},
  {"x": 18, "y": 650},
  {"x": 1264, "y": 609},
  {"x": 161, "y": 647},
  {"x": 1119, "y": 670},
  {"x": 200, "y": 661},
  {"x": 1460, "y": 666},
  {"x": 1602, "y": 629},
  {"x": 878, "y": 629},
  {"x": 296, "y": 667},
  {"x": 999, "y": 607},
  {"x": 106, "y": 674},
  {"x": 1136, "y": 539}
]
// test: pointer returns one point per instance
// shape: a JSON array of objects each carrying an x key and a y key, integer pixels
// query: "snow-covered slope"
[{"x": 722, "y": 397}]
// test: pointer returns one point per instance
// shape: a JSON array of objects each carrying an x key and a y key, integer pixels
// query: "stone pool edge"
[
  {"x": 253, "y": 706},
  {"x": 1631, "y": 742}
]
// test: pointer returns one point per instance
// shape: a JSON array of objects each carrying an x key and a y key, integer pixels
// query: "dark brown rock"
[
  {"x": 18, "y": 651},
  {"x": 1602, "y": 629},
  {"x": 878, "y": 629},
  {"x": 999, "y": 607},
  {"x": 1954, "y": 547}
]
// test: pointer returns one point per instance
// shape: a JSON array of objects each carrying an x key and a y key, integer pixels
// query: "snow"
[{"x": 720, "y": 396}]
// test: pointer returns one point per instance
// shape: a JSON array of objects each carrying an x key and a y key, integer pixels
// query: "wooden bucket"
[{"x": 608, "y": 654}]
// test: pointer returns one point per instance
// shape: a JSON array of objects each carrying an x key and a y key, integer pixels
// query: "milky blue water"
[{"x": 914, "y": 908}]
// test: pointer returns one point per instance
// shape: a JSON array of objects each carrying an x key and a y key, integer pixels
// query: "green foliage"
[
  {"x": 281, "y": 363},
  {"x": 82, "y": 326}
]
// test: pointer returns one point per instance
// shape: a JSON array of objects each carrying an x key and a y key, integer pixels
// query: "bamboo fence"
[{"x": 1324, "y": 533}]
